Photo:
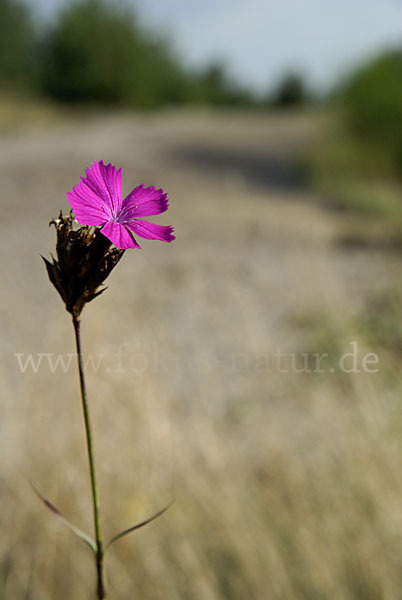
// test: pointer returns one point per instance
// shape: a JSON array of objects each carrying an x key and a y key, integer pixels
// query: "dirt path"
[
  {"x": 253, "y": 246},
  {"x": 177, "y": 394}
]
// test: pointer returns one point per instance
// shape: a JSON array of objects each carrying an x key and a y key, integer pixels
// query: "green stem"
[{"x": 99, "y": 557}]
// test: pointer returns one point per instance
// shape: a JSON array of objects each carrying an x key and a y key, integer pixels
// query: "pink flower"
[{"x": 97, "y": 200}]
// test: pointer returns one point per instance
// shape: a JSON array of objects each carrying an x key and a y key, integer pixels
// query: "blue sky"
[{"x": 259, "y": 39}]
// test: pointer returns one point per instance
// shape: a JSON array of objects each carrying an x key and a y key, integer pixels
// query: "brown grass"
[{"x": 287, "y": 486}]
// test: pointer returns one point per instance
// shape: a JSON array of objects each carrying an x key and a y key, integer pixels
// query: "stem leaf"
[
  {"x": 78, "y": 532},
  {"x": 138, "y": 525}
]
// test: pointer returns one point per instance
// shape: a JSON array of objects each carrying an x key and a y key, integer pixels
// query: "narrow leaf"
[
  {"x": 139, "y": 525},
  {"x": 83, "y": 536}
]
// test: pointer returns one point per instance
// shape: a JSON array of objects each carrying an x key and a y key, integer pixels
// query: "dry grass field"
[{"x": 287, "y": 485}]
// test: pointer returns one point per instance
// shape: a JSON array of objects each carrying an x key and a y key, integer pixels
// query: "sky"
[{"x": 259, "y": 40}]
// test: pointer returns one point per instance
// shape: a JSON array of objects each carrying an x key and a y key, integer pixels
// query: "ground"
[{"x": 185, "y": 400}]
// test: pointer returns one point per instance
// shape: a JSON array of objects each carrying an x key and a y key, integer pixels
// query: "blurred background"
[{"x": 276, "y": 129}]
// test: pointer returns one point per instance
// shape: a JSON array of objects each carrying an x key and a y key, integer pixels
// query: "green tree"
[
  {"x": 98, "y": 52},
  {"x": 290, "y": 91},
  {"x": 17, "y": 45},
  {"x": 212, "y": 85},
  {"x": 373, "y": 101}
]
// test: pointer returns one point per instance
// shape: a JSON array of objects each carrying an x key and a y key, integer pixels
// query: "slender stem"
[{"x": 101, "y": 590}]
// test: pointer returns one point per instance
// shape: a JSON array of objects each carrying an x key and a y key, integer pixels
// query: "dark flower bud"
[{"x": 84, "y": 260}]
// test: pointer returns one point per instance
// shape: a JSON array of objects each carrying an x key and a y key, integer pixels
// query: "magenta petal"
[
  {"x": 87, "y": 208},
  {"x": 105, "y": 182},
  {"x": 119, "y": 235},
  {"x": 144, "y": 202},
  {"x": 98, "y": 197},
  {"x": 152, "y": 231}
]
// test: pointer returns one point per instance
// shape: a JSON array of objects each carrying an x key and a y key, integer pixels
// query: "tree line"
[{"x": 98, "y": 51}]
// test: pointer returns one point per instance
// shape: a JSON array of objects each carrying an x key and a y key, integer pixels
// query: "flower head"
[
  {"x": 84, "y": 260},
  {"x": 98, "y": 201}
]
